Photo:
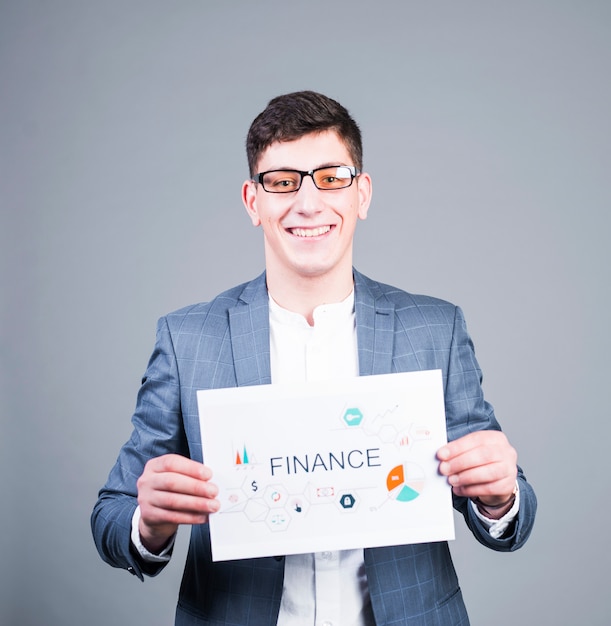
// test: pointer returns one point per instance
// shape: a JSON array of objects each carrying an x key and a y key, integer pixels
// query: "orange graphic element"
[{"x": 395, "y": 478}]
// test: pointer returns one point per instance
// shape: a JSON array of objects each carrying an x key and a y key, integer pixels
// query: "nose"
[{"x": 307, "y": 198}]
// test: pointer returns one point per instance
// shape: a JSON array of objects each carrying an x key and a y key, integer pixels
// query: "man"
[{"x": 309, "y": 316}]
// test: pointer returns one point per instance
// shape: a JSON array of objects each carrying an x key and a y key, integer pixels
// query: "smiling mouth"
[{"x": 310, "y": 232}]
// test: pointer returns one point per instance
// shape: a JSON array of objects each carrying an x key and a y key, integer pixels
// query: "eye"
[
  {"x": 286, "y": 182},
  {"x": 333, "y": 177},
  {"x": 281, "y": 180}
]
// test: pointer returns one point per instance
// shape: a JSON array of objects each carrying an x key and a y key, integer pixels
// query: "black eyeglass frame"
[{"x": 354, "y": 172}]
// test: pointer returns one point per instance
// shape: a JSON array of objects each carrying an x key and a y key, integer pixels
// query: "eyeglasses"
[{"x": 325, "y": 178}]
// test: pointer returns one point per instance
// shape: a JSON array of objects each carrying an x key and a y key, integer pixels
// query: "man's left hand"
[{"x": 482, "y": 465}]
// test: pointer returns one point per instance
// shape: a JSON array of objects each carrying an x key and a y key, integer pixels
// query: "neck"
[{"x": 304, "y": 294}]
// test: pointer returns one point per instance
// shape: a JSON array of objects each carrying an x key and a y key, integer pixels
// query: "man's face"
[{"x": 309, "y": 232}]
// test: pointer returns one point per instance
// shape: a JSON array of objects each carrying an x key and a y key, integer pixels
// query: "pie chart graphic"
[{"x": 405, "y": 482}]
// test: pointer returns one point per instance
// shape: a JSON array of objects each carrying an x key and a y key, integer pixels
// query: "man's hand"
[
  {"x": 173, "y": 490},
  {"x": 480, "y": 465}
]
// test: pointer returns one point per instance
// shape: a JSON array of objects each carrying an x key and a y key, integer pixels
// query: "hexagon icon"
[
  {"x": 275, "y": 496},
  {"x": 250, "y": 485},
  {"x": 320, "y": 494},
  {"x": 297, "y": 506},
  {"x": 420, "y": 433},
  {"x": 277, "y": 520},
  {"x": 235, "y": 500},
  {"x": 404, "y": 440},
  {"x": 347, "y": 502},
  {"x": 353, "y": 417}
]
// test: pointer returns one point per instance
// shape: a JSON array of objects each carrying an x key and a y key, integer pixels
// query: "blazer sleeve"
[
  {"x": 157, "y": 429},
  {"x": 467, "y": 411}
]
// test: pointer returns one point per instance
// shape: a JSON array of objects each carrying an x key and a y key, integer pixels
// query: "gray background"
[{"x": 487, "y": 134}]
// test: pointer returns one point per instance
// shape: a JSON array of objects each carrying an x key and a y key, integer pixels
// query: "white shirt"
[{"x": 324, "y": 588}]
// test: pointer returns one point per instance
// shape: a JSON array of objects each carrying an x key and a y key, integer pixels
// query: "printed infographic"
[{"x": 326, "y": 466}]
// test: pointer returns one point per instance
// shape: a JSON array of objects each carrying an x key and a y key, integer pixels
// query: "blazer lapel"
[
  {"x": 249, "y": 332},
  {"x": 375, "y": 327}
]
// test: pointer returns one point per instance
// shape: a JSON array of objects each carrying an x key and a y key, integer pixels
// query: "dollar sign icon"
[{"x": 254, "y": 486}]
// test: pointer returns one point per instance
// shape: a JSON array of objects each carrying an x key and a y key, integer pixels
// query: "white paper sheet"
[{"x": 326, "y": 465}]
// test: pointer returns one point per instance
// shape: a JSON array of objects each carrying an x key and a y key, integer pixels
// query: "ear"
[
  {"x": 364, "y": 190},
  {"x": 249, "y": 198}
]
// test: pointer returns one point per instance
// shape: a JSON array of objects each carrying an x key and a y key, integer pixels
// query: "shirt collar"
[{"x": 334, "y": 311}]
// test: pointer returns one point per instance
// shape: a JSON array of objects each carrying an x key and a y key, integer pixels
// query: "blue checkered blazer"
[{"x": 225, "y": 343}]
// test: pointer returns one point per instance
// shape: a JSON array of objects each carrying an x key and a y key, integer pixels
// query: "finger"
[
  {"x": 174, "y": 463},
  {"x": 475, "y": 458},
  {"x": 174, "y": 508},
  {"x": 170, "y": 507},
  {"x": 162, "y": 522},
  {"x": 491, "y": 447},
  {"x": 468, "y": 442},
  {"x": 499, "y": 489},
  {"x": 175, "y": 483},
  {"x": 489, "y": 474},
  {"x": 161, "y": 489}
]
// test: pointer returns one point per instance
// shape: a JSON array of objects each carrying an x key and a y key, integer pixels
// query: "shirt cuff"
[
  {"x": 497, "y": 527},
  {"x": 162, "y": 557}
]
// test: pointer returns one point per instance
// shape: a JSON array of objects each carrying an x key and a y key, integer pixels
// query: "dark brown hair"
[{"x": 293, "y": 115}]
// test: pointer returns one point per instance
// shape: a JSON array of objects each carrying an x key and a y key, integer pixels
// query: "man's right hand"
[{"x": 173, "y": 490}]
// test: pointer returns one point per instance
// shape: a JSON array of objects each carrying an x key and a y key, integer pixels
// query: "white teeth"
[{"x": 310, "y": 232}]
